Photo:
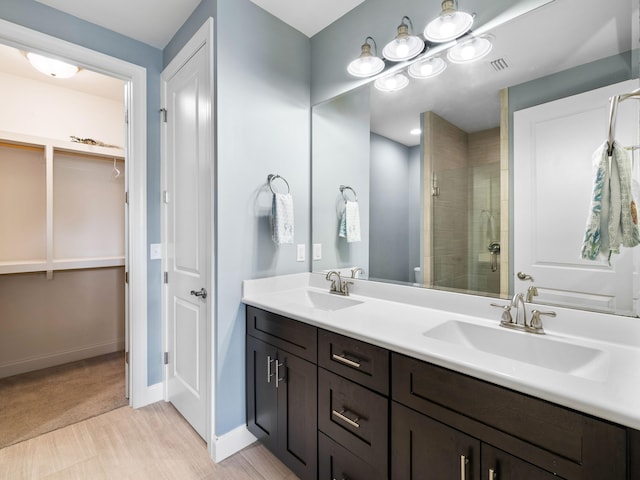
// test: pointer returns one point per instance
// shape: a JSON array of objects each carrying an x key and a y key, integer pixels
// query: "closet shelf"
[
  {"x": 33, "y": 266},
  {"x": 32, "y": 141}
]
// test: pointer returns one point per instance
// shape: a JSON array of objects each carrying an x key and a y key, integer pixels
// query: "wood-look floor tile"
[{"x": 150, "y": 443}]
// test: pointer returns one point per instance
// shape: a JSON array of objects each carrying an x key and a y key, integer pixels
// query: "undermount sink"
[
  {"x": 537, "y": 350},
  {"x": 319, "y": 301}
]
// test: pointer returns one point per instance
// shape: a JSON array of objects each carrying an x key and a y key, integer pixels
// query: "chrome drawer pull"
[
  {"x": 269, "y": 374},
  {"x": 492, "y": 474},
  {"x": 463, "y": 467},
  {"x": 278, "y": 379},
  {"x": 341, "y": 416},
  {"x": 345, "y": 360}
]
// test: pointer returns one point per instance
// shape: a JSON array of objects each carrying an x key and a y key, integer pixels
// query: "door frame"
[
  {"x": 135, "y": 78},
  {"x": 203, "y": 38}
]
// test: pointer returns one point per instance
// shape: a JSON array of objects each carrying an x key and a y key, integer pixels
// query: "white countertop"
[{"x": 396, "y": 317}]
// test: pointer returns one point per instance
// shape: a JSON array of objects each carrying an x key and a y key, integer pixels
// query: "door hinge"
[
  {"x": 126, "y": 277},
  {"x": 126, "y": 198},
  {"x": 163, "y": 111},
  {"x": 126, "y": 358},
  {"x": 165, "y": 196},
  {"x": 166, "y": 358},
  {"x": 166, "y": 277},
  {"x": 126, "y": 116}
]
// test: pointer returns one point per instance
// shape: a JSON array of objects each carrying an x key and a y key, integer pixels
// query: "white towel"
[
  {"x": 350, "y": 222},
  {"x": 282, "y": 218},
  {"x": 611, "y": 222}
]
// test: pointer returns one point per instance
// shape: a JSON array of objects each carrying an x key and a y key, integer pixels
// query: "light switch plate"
[
  {"x": 300, "y": 253},
  {"x": 155, "y": 251},
  {"x": 317, "y": 251}
]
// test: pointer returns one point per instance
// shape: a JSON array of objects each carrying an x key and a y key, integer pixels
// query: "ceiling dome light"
[
  {"x": 366, "y": 64},
  {"x": 392, "y": 83},
  {"x": 405, "y": 46},
  {"x": 52, "y": 67},
  {"x": 427, "y": 68},
  {"x": 449, "y": 25},
  {"x": 469, "y": 50}
]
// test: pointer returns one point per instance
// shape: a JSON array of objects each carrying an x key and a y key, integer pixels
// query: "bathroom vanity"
[{"x": 377, "y": 385}]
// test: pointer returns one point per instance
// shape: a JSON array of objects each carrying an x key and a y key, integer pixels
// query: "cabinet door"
[
  {"x": 499, "y": 465},
  {"x": 262, "y": 407},
  {"x": 297, "y": 414},
  {"x": 424, "y": 449},
  {"x": 335, "y": 462}
]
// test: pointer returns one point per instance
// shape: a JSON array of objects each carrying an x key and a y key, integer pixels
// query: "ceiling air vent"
[{"x": 500, "y": 64}]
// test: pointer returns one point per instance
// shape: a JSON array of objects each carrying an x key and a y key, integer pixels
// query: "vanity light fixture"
[
  {"x": 392, "y": 83},
  {"x": 51, "y": 67},
  {"x": 449, "y": 25},
  {"x": 469, "y": 50},
  {"x": 427, "y": 68},
  {"x": 405, "y": 46},
  {"x": 366, "y": 64}
]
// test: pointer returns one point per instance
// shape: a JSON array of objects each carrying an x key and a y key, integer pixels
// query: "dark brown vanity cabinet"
[
  {"x": 282, "y": 389},
  {"x": 353, "y": 408},
  {"x": 439, "y": 416},
  {"x": 335, "y": 408}
]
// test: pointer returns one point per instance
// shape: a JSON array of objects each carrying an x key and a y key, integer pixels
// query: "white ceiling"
[
  {"x": 308, "y": 16},
  {"x": 13, "y": 62},
  {"x": 155, "y": 22}
]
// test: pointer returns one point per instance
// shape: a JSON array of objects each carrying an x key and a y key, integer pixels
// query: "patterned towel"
[
  {"x": 282, "y": 218},
  {"x": 350, "y": 222},
  {"x": 611, "y": 222}
]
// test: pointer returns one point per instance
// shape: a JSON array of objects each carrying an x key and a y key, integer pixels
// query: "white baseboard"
[
  {"x": 230, "y": 443},
  {"x": 59, "y": 358}
]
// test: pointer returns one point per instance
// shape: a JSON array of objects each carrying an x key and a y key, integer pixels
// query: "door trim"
[
  {"x": 203, "y": 38},
  {"x": 135, "y": 77}
]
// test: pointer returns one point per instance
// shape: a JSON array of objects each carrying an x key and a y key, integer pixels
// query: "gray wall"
[
  {"x": 39, "y": 17},
  {"x": 263, "y": 124},
  {"x": 395, "y": 210},
  {"x": 340, "y": 152}
]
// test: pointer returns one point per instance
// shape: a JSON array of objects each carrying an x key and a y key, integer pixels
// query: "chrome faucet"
[
  {"x": 517, "y": 302},
  {"x": 510, "y": 320},
  {"x": 338, "y": 286},
  {"x": 355, "y": 272}
]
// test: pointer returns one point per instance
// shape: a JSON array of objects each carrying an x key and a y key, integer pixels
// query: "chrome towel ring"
[
  {"x": 344, "y": 195},
  {"x": 271, "y": 177}
]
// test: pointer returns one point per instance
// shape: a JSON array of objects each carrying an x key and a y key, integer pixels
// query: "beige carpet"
[{"x": 38, "y": 402}]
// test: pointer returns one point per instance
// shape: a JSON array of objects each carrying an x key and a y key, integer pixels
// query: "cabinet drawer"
[
  {"x": 556, "y": 438},
  {"x": 356, "y": 360},
  {"x": 337, "y": 463},
  {"x": 287, "y": 334},
  {"x": 355, "y": 417}
]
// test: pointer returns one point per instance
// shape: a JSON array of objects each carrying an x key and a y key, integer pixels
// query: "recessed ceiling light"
[{"x": 415, "y": 131}]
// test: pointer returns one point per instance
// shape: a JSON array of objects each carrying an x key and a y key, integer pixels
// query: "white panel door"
[
  {"x": 188, "y": 213},
  {"x": 553, "y": 147}
]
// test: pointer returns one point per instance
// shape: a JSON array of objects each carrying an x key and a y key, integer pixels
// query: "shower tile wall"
[
  {"x": 464, "y": 217},
  {"x": 446, "y": 149}
]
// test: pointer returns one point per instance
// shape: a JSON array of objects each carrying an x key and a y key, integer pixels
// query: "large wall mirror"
[{"x": 479, "y": 180}]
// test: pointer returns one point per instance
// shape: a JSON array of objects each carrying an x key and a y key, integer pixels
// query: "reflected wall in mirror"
[{"x": 436, "y": 208}]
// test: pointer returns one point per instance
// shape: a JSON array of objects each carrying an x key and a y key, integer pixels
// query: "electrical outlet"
[
  {"x": 300, "y": 253},
  {"x": 317, "y": 251}
]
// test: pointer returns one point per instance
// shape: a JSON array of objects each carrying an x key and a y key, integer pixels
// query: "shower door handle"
[{"x": 494, "y": 251}]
